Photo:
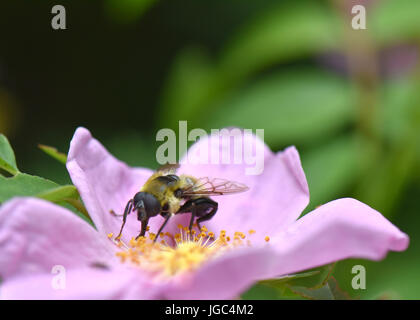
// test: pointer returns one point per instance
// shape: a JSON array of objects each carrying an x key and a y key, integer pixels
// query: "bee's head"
[{"x": 147, "y": 205}]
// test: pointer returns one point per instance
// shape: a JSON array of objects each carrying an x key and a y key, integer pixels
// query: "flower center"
[{"x": 190, "y": 250}]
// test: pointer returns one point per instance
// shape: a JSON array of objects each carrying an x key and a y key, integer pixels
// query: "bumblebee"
[{"x": 168, "y": 194}]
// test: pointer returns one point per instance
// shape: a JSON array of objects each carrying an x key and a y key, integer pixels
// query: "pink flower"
[{"x": 36, "y": 235}]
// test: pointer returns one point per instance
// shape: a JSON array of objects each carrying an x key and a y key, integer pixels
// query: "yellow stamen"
[
  {"x": 152, "y": 236},
  {"x": 162, "y": 259},
  {"x": 132, "y": 242}
]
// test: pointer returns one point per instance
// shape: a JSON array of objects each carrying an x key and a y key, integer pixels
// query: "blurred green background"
[{"x": 349, "y": 100}]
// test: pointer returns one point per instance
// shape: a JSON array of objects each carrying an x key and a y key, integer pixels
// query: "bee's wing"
[
  {"x": 165, "y": 170},
  {"x": 169, "y": 168},
  {"x": 214, "y": 187}
]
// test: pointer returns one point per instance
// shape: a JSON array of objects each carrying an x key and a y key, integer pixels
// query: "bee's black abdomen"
[{"x": 203, "y": 207}]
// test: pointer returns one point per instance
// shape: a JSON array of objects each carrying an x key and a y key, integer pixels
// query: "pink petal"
[
  {"x": 340, "y": 229},
  {"x": 276, "y": 197},
  {"x": 223, "y": 278},
  {"x": 36, "y": 235},
  {"x": 104, "y": 183},
  {"x": 82, "y": 283}
]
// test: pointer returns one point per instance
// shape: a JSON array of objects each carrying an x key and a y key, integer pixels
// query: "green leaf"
[
  {"x": 337, "y": 292},
  {"x": 7, "y": 156},
  {"x": 323, "y": 293},
  {"x": 331, "y": 169},
  {"x": 261, "y": 292},
  {"x": 277, "y": 282},
  {"x": 317, "y": 284},
  {"x": 68, "y": 194},
  {"x": 291, "y": 285},
  {"x": 388, "y": 178},
  {"x": 190, "y": 87},
  {"x": 293, "y": 107},
  {"x": 77, "y": 207},
  {"x": 395, "y": 21},
  {"x": 320, "y": 277},
  {"x": 53, "y": 152},
  {"x": 59, "y": 194},
  {"x": 127, "y": 10},
  {"x": 281, "y": 33},
  {"x": 390, "y": 170},
  {"x": 328, "y": 289},
  {"x": 133, "y": 148},
  {"x": 400, "y": 99},
  {"x": 23, "y": 185}
]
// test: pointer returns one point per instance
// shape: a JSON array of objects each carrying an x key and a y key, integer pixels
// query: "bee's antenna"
[{"x": 127, "y": 210}]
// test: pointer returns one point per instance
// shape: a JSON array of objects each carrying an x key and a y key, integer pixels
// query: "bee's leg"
[
  {"x": 193, "y": 215},
  {"x": 206, "y": 210},
  {"x": 188, "y": 206},
  {"x": 143, "y": 230},
  {"x": 202, "y": 208},
  {"x": 127, "y": 211},
  {"x": 162, "y": 226}
]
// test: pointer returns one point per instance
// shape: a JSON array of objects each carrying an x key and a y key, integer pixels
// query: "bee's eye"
[
  {"x": 148, "y": 202},
  {"x": 178, "y": 193}
]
